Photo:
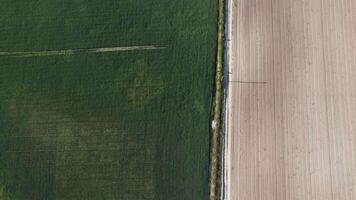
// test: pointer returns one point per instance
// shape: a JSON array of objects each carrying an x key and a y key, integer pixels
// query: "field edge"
[{"x": 217, "y": 107}]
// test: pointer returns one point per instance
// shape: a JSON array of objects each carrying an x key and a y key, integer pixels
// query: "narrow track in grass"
[{"x": 76, "y": 51}]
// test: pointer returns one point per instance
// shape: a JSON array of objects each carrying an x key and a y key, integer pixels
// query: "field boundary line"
[
  {"x": 78, "y": 51},
  {"x": 225, "y": 186},
  {"x": 217, "y": 107}
]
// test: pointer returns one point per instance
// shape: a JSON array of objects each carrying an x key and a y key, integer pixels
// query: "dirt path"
[{"x": 292, "y": 100}]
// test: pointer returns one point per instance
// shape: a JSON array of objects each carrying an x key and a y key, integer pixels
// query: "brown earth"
[{"x": 292, "y": 100}]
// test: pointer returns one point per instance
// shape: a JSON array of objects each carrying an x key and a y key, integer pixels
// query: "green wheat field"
[{"x": 106, "y": 99}]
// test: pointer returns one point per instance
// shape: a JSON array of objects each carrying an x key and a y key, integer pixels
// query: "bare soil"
[{"x": 292, "y": 100}]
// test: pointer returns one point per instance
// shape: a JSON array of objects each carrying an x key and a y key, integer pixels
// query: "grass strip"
[{"x": 217, "y": 108}]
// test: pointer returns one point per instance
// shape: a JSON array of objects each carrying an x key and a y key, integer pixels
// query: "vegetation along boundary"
[{"x": 217, "y": 128}]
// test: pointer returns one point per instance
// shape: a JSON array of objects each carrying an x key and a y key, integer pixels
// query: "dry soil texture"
[{"x": 292, "y": 100}]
